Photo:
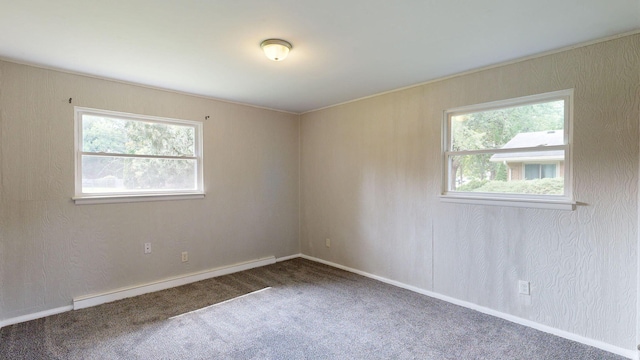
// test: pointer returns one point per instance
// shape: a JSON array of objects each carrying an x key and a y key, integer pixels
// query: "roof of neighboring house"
[{"x": 533, "y": 139}]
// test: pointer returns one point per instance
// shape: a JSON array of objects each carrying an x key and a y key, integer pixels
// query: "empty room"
[{"x": 287, "y": 179}]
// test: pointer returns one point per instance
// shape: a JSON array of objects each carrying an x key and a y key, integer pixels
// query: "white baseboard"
[
  {"x": 631, "y": 354},
  {"x": 34, "y": 316},
  {"x": 122, "y": 293},
  {"x": 290, "y": 257},
  {"x": 97, "y": 299}
]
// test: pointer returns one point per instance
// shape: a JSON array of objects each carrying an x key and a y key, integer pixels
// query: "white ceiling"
[{"x": 342, "y": 49}]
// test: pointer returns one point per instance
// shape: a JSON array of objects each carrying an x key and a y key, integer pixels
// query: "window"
[
  {"x": 126, "y": 157},
  {"x": 539, "y": 171},
  {"x": 511, "y": 152}
]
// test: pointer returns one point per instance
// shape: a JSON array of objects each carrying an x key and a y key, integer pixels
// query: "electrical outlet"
[
  {"x": 185, "y": 256},
  {"x": 327, "y": 243},
  {"x": 524, "y": 287},
  {"x": 147, "y": 248}
]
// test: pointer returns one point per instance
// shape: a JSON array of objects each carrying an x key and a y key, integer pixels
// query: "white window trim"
[
  {"x": 514, "y": 201},
  {"x": 81, "y": 198},
  {"x": 112, "y": 199},
  {"x": 558, "y": 202}
]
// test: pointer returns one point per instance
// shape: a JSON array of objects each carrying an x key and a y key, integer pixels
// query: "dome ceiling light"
[{"x": 276, "y": 49}]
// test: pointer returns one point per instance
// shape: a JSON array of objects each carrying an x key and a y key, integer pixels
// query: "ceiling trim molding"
[
  {"x": 488, "y": 67},
  {"x": 151, "y": 87},
  {"x": 468, "y": 72}
]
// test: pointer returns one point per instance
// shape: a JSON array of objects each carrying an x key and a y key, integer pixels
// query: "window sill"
[
  {"x": 112, "y": 199},
  {"x": 511, "y": 202}
]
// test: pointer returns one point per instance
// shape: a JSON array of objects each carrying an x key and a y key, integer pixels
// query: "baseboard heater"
[{"x": 86, "y": 301}]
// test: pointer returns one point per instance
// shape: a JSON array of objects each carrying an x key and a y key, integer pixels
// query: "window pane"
[
  {"x": 104, "y": 174},
  {"x": 515, "y": 127},
  {"x": 488, "y": 174},
  {"x": 123, "y": 136},
  {"x": 532, "y": 171},
  {"x": 103, "y": 135},
  {"x": 548, "y": 171}
]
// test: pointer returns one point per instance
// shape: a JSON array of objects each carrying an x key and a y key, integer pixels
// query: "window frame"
[
  {"x": 81, "y": 197},
  {"x": 560, "y": 202}
]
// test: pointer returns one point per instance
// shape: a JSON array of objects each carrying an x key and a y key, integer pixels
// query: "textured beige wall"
[
  {"x": 371, "y": 176},
  {"x": 52, "y": 250}
]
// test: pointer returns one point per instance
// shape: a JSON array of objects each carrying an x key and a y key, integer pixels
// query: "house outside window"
[
  {"x": 515, "y": 150},
  {"x": 537, "y": 164}
]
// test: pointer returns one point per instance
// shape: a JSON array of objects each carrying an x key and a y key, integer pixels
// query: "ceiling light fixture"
[{"x": 276, "y": 49}]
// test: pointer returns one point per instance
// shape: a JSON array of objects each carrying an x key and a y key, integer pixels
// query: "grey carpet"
[{"x": 296, "y": 309}]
